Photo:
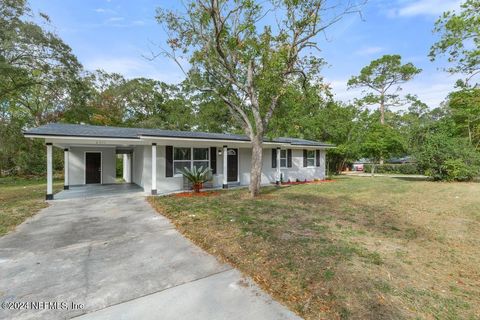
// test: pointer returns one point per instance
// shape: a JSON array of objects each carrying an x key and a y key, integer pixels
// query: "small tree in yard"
[
  {"x": 380, "y": 142},
  {"x": 237, "y": 56}
]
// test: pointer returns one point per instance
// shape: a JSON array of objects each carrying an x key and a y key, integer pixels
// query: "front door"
[
  {"x": 232, "y": 165},
  {"x": 93, "y": 167}
]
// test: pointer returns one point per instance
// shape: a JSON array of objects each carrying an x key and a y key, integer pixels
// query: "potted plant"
[{"x": 197, "y": 177}]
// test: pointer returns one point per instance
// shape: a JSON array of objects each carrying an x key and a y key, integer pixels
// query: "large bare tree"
[{"x": 246, "y": 53}]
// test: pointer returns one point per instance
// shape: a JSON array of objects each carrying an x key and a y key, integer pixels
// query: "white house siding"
[
  {"x": 297, "y": 171},
  {"x": 147, "y": 167},
  {"x": 143, "y": 168},
  {"x": 165, "y": 184},
  {"x": 137, "y": 166},
  {"x": 77, "y": 164}
]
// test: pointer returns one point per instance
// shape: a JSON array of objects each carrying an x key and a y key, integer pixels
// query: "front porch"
[{"x": 90, "y": 170}]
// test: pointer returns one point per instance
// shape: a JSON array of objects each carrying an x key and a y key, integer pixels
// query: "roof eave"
[{"x": 157, "y": 137}]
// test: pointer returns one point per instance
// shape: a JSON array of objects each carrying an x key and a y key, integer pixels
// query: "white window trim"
[
  {"x": 314, "y": 159},
  {"x": 286, "y": 159},
  {"x": 191, "y": 158}
]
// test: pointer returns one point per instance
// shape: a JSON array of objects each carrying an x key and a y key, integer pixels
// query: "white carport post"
[
  {"x": 49, "y": 195},
  {"x": 65, "y": 168},
  {"x": 154, "y": 168},
  {"x": 225, "y": 158},
  {"x": 278, "y": 166},
  {"x": 127, "y": 167}
]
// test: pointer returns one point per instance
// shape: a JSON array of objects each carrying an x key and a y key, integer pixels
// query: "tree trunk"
[
  {"x": 256, "y": 167},
  {"x": 373, "y": 169},
  {"x": 469, "y": 134},
  {"x": 382, "y": 108},
  {"x": 382, "y": 117}
]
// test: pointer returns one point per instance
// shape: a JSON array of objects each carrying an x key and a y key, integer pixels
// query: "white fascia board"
[
  {"x": 175, "y": 139},
  {"x": 307, "y": 147},
  {"x": 85, "y": 140}
]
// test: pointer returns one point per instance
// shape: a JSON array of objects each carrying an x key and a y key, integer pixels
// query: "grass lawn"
[
  {"x": 20, "y": 199},
  {"x": 358, "y": 248}
]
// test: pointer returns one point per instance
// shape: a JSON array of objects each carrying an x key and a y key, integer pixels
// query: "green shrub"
[
  {"x": 407, "y": 168},
  {"x": 197, "y": 176},
  {"x": 444, "y": 157},
  {"x": 458, "y": 170}
]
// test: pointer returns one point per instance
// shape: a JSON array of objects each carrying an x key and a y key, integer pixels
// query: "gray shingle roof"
[{"x": 80, "y": 130}]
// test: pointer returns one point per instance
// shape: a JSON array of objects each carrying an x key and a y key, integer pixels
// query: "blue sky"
[{"x": 115, "y": 35}]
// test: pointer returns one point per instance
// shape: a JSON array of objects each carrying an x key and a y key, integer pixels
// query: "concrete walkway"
[{"x": 115, "y": 258}]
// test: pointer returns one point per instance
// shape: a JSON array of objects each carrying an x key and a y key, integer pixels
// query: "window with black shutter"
[
  {"x": 213, "y": 160},
  {"x": 274, "y": 158},
  {"x": 283, "y": 158},
  {"x": 168, "y": 161}
]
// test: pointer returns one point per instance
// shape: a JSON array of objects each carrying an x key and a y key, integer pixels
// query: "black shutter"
[
  {"x": 168, "y": 161},
  {"x": 213, "y": 160},
  {"x": 289, "y": 158},
  {"x": 274, "y": 158},
  {"x": 304, "y": 157},
  {"x": 317, "y": 157}
]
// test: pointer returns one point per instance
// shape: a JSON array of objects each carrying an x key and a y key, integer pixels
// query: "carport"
[{"x": 90, "y": 160}]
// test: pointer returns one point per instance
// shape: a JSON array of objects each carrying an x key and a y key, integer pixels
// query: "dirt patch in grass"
[
  {"x": 361, "y": 248},
  {"x": 21, "y": 198}
]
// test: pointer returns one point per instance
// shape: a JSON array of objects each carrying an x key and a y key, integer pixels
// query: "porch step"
[{"x": 233, "y": 184}]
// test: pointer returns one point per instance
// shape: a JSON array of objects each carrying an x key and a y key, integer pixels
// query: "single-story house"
[{"x": 153, "y": 158}]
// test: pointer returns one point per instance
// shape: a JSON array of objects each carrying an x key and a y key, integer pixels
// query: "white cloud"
[
  {"x": 430, "y": 88},
  {"x": 367, "y": 51},
  {"x": 412, "y": 8},
  {"x": 106, "y": 11}
]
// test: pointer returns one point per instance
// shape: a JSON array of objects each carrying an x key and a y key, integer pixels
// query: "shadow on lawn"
[{"x": 413, "y": 179}]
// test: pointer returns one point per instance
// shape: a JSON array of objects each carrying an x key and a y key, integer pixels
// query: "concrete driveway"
[{"x": 115, "y": 258}]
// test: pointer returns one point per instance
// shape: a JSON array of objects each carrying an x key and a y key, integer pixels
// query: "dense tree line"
[{"x": 41, "y": 81}]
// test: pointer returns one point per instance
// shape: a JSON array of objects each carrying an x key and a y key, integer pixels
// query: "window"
[
  {"x": 200, "y": 157},
  {"x": 310, "y": 158},
  {"x": 181, "y": 159},
  {"x": 283, "y": 158},
  {"x": 189, "y": 157}
]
